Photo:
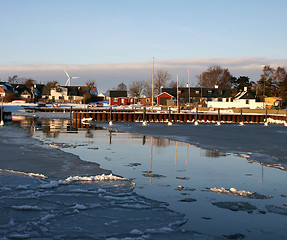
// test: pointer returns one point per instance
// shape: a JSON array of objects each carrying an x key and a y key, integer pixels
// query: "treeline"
[{"x": 272, "y": 82}]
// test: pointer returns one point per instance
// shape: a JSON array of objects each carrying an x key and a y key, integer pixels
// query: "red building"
[
  {"x": 145, "y": 101},
  {"x": 163, "y": 97},
  {"x": 118, "y": 98}
]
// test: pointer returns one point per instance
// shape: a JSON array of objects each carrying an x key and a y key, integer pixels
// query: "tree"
[
  {"x": 48, "y": 86},
  {"x": 216, "y": 75},
  {"x": 266, "y": 82},
  {"x": 172, "y": 84},
  {"x": 29, "y": 83},
  {"x": 90, "y": 84},
  {"x": 122, "y": 87},
  {"x": 136, "y": 89},
  {"x": 283, "y": 90},
  {"x": 160, "y": 80},
  {"x": 241, "y": 82},
  {"x": 13, "y": 79},
  {"x": 147, "y": 91}
]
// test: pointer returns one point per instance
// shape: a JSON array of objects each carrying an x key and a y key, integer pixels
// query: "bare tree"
[
  {"x": 160, "y": 80},
  {"x": 90, "y": 84},
  {"x": 122, "y": 87},
  {"x": 29, "y": 83},
  {"x": 215, "y": 75},
  {"x": 172, "y": 84},
  {"x": 13, "y": 79},
  {"x": 147, "y": 91},
  {"x": 136, "y": 89}
]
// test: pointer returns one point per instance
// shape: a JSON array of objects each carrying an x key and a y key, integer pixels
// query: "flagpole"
[
  {"x": 152, "y": 83},
  {"x": 177, "y": 95},
  {"x": 188, "y": 89}
]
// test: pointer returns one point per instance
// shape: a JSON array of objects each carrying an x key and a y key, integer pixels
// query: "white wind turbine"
[{"x": 68, "y": 83}]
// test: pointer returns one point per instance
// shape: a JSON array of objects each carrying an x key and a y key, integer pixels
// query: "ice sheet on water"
[
  {"x": 79, "y": 209},
  {"x": 241, "y": 193}
]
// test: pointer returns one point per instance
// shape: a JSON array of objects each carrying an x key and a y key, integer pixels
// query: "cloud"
[{"x": 108, "y": 76}]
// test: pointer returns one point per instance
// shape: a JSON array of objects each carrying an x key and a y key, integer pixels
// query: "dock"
[{"x": 115, "y": 115}]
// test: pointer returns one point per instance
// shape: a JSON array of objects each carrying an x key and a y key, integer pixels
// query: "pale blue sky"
[{"x": 132, "y": 31}]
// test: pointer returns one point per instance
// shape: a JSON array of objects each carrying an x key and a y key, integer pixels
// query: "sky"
[{"x": 114, "y": 41}]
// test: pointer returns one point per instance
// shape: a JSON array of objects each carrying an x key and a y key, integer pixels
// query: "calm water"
[{"x": 159, "y": 166}]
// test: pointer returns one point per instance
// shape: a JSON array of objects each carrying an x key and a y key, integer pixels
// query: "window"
[
  {"x": 219, "y": 99},
  {"x": 197, "y": 92},
  {"x": 147, "y": 100},
  {"x": 115, "y": 99},
  {"x": 247, "y": 101}
]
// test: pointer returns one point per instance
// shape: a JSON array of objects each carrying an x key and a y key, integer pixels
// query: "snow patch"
[
  {"x": 27, "y": 207},
  {"x": 241, "y": 193},
  {"x": 38, "y": 175},
  {"x": 80, "y": 207},
  {"x": 102, "y": 177}
]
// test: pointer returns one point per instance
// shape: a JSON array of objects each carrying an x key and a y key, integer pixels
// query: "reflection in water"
[
  {"x": 156, "y": 158},
  {"x": 213, "y": 153},
  {"x": 187, "y": 154},
  {"x": 52, "y": 128},
  {"x": 89, "y": 134},
  {"x": 151, "y": 147},
  {"x": 176, "y": 152}
]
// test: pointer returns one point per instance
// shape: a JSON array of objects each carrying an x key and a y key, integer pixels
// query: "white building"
[{"x": 243, "y": 99}]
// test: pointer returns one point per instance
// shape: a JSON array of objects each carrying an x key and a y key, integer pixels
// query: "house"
[
  {"x": 146, "y": 101},
  {"x": 243, "y": 99},
  {"x": 58, "y": 93},
  {"x": 103, "y": 96},
  {"x": 162, "y": 98},
  {"x": 195, "y": 95},
  {"x": 5, "y": 88},
  {"x": 76, "y": 93},
  {"x": 2, "y": 92},
  {"x": 117, "y": 98},
  {"x": 29, "y": 94}
]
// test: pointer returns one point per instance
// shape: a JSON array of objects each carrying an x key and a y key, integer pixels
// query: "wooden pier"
[{"x": 136, "y": 116}]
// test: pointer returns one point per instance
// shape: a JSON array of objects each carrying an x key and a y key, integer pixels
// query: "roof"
[
  {"x": 164, "y": 93},
  {"x": 116, "y": 93},
  {"x": 77, "y": 91},
  {"x": 199, "y": 92},
  {"x": 245, "y": 95},
  {"x": 1, "y": 90}
]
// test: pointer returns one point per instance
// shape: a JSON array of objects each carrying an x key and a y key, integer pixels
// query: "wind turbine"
[{"x": 68, "y": 83}]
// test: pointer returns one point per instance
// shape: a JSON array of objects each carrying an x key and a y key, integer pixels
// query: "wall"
[{"x": 237, "y": 104}]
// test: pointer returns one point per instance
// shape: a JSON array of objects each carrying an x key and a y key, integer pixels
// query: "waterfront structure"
[{"x": 117, "y": 98}]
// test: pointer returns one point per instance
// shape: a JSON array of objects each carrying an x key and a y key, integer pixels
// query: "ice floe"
[
  {"x": 103, "y": 177},
  {"x": 241, "y": 193},
  {"x": 26, "y": 207},
  {"x": 276, "y": 209},
  {"x": 38, "y": 175},
  {"x": 236, "y": 206}
]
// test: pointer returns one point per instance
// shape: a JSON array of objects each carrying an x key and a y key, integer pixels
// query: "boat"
[{"x": 87, "y": 120}]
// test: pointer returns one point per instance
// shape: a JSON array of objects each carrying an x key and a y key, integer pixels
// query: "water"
[{"x": 182, "y": 174}]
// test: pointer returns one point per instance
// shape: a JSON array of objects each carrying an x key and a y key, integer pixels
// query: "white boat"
[{"x": 85, "y": 120}]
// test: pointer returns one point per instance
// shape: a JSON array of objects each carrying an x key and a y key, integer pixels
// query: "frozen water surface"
[{"x": 212, "y": 192}]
